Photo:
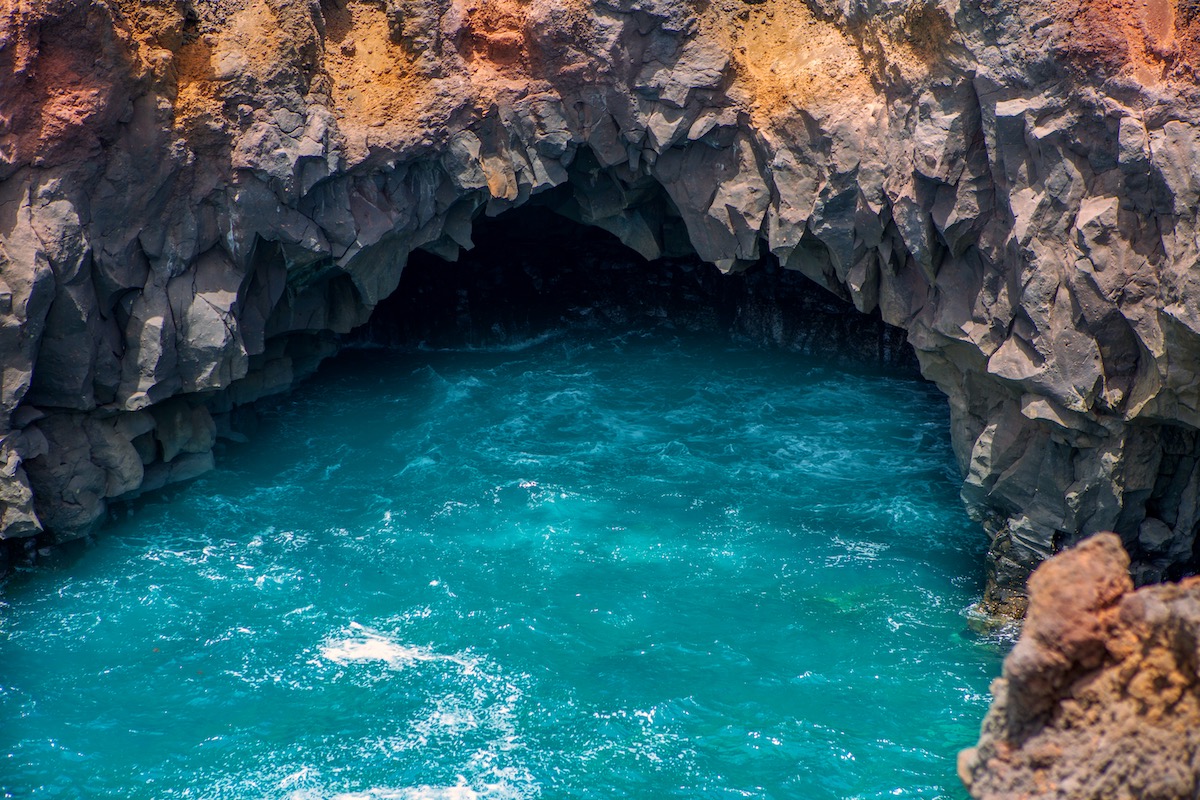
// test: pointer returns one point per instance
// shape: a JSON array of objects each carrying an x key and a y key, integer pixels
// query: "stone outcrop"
[
  {"x": 195, "y": 194},
  {"x": 1100, "y": 698}
]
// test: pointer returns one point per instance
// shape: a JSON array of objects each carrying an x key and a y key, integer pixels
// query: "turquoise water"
[{"x": 597, "y": 566}]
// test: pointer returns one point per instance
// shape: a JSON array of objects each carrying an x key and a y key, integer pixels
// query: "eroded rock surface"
[
  {"x": 1100, "y": 698},
  {"x": 195, "y": 193}
]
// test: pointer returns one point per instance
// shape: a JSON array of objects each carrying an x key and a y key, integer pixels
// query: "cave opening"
[
  {"x": 532, "y": 270},
  {"x": 565, "y": 521}
]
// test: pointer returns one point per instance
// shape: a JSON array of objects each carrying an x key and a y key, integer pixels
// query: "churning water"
[{"x": 598, "y": 566}]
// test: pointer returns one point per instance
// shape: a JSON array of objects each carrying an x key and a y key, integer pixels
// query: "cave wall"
[{"x": 194, "y": 194}]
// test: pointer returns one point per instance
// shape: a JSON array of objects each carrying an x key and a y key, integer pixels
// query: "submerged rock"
[{"x": 1100, "y": 698}]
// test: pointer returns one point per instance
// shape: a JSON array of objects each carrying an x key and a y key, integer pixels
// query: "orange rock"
[{"x": 1099, "y": 698}]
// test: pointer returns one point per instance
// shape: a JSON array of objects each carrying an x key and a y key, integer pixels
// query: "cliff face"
[
  {"x": 1100, "y": 697},
  {"x": 194, "y": 193}
]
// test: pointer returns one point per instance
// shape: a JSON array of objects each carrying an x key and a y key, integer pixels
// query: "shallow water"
[{"x": 599, "y": 566}]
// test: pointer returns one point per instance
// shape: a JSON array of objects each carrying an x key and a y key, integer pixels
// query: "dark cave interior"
[{"x": 532, "y": 270}]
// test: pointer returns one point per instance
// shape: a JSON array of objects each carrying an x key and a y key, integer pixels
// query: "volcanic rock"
[{"x": 196, "y": 195}]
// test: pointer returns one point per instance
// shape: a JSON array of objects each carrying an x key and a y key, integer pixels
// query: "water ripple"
[{"x": 576, "y": 566}]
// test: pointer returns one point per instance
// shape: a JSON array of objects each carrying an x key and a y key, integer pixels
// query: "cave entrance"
[
  {"x": 532, "y": 270},
  {"x": 594, "y": 560}
]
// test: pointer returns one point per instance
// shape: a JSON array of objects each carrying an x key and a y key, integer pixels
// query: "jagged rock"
[
  {"x": 182, "y": 427},
  {"x": 1100, "y": 696},
  {"x": 187, "y": 188}
]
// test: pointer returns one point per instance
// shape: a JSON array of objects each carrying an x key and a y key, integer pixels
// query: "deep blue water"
[{"x": 598, "y": 566}]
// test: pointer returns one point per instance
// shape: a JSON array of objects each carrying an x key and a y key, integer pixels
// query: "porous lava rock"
[
  {"x": 197, "y": 195},
  {"x": 1100, "y": 698}
]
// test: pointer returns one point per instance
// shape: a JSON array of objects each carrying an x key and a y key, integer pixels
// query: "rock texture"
[
  {"x": 194, "y": 194},
  {"x": 1100, "y": 698}
]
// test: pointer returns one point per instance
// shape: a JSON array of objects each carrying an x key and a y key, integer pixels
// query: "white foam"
[
  {"x": 413, "y": 793},
  {"x": 500, "y": 790},
  {"x": 368, "y": 645},
  {"x": 395, "y": 655}
]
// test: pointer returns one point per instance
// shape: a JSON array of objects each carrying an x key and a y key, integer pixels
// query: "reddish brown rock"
[{"x": 1100, "y": 698}]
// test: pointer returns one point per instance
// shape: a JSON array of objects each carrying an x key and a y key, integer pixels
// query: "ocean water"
[{"x": 597, "y": 565}]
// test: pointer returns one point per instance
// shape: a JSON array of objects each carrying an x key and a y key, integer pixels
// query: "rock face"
[
  {"x": 194, "y": 194},
  {"x": 1100, "y": 698}
]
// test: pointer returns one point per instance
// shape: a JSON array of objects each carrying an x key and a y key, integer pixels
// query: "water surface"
[{"x": 597, "y": 566}]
